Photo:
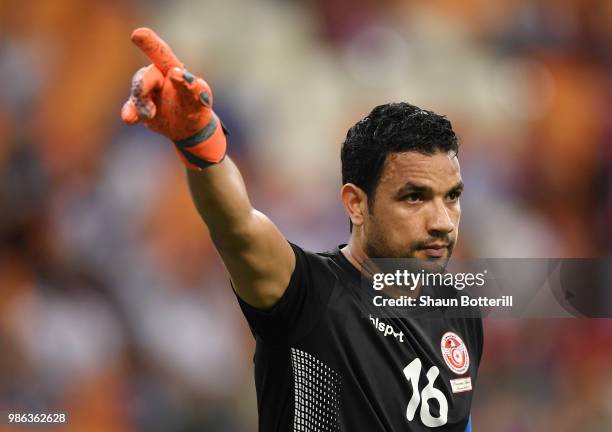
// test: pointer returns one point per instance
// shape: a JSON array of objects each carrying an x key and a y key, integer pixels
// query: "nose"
[{"x": 440, "y": 222}]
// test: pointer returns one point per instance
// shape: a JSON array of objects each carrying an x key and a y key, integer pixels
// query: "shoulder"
[{"x": 325, "y": 263}]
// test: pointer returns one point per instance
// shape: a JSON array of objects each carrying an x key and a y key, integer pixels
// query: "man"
[{"x": 326, "y": 360}]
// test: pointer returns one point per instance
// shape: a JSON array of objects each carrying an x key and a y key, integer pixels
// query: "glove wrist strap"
[{"x": 204, "y": 148}]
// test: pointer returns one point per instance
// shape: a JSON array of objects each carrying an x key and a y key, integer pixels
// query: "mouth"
[{"x": 435, "y": 250}]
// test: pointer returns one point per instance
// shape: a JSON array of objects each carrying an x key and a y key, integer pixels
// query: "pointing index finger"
[{"x": 158, "y": 51}]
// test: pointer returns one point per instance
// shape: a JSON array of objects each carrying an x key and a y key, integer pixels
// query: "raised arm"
[{"x": 171, "y": 101}]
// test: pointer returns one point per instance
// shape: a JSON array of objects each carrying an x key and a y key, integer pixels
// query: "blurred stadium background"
[{"x": 115, "y": 308}]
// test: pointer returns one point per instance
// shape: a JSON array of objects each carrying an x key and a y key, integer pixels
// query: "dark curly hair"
[{"x": 391, "y": 128}]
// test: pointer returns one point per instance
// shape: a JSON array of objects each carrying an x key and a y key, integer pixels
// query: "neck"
[{"x": 355, "y": 253}]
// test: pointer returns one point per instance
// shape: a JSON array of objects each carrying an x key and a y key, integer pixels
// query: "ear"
[{"x": 355, "y": 203}]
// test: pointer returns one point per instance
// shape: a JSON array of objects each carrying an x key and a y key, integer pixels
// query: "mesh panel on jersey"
[{"x": 317, "y": 394}]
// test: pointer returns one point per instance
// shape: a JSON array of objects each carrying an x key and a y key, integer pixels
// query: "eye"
[
  {"x": 413, "y": 197},
  {"x": 454, "y": 196}
]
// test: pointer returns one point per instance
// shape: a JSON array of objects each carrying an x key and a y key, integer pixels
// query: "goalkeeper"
[{"x": 321, "y": 363}]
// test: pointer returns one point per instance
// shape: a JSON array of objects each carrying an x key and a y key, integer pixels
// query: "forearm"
[
  {"x": 254, "y": 251},
  {"x": 221, "y": 198}
]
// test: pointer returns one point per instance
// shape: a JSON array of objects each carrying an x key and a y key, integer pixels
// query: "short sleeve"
[{"x": 302, "y": 304}]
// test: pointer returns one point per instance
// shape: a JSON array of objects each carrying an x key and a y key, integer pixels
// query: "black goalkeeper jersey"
[{"x": 327, "y": 359}]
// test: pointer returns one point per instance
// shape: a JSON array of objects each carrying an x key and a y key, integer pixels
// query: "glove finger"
[
  {"x": 184, "y": 83},
  {"x": 145, "y": 107},
  {"x": 145, "y": 80},
  {"x": 191, "y": 86},
  {"x": 137, "y": 109},
  {"x": 158, "y": 51},
  {"x": 202, "y": 89},
  {"x": 129, "y": 115}
]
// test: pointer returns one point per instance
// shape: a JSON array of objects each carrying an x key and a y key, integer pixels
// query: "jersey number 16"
[{"x": 412, "y": 373}]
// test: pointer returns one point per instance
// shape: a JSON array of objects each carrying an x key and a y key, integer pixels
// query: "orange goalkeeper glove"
[{"x": 173, "y": 102}]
